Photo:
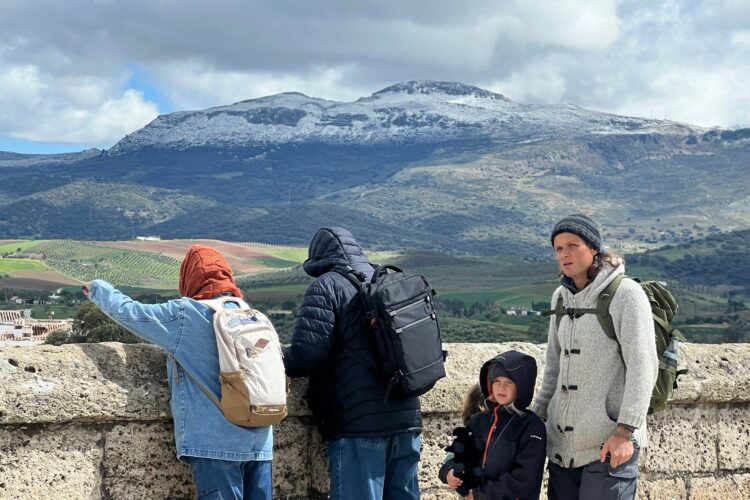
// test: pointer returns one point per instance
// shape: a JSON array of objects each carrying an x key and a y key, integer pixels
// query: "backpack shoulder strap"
[
  {"x": 356, "y": 277},
  {"x": 602, "y": 307},
  {"x": 558, "y": 311},
  {"x": 210, "y": 395}
]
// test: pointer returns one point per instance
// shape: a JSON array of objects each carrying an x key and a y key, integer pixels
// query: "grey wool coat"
[{"x": 590, "y": 383}]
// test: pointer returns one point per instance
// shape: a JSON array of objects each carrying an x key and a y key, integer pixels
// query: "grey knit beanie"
[{"x": 582, "y": 226}]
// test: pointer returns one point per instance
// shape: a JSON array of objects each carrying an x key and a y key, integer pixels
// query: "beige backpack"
[{"x": 253, "y": 381}]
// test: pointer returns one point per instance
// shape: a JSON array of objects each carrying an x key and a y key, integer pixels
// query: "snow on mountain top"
[
  {"x": 418, "y": 111},
  {"x": 427, "y": 87}
]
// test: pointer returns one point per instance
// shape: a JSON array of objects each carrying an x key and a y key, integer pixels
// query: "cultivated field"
[{"x": 52, "y": 264}]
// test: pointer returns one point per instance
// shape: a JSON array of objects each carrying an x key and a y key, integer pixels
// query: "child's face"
[{"x": 503, "y": 390}]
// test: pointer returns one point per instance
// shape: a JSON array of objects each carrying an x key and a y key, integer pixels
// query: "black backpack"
[
  {"x": 663, "y": 308},
  {"x": 402, "y": 320}
]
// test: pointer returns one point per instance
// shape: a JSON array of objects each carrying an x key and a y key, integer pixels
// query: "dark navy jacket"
[
  {"x": 330, "y": 344},
  {"x": 515, "y": 438}
]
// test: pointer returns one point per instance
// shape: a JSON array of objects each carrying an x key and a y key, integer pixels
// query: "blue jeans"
[
  {"x": 228, "y": 480},
  {"x": 375, "y": 468}
]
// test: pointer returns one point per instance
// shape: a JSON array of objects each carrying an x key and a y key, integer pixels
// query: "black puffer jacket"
[
  {"x": 515, "y": 438},
  {"x": 330, "y": 345}
]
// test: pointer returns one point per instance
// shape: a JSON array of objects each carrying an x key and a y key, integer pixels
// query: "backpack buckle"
[{"x": 570, "y": 312}]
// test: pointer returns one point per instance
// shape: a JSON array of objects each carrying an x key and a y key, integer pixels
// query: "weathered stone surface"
[
  {"x": 100, "y": 426},
  {"x": 722, "y": 488},
  {"x": 111, "y": 381},
  {"x": 436, "y": 435},
  {"x": 142, "y": 457},
  {"x": 317, "y": 456},
  {"x": 83, "y": 382},
  {"x": 717, "y": 374},
  {"x": 683, "y": 439},
  {"x": 734, "y": 437},
  {"x": 297, "y": 400},
  {"x": 661, "y": 489},
  {"x": 292, "y": 441},
  {"x": 50, "y": 462}
]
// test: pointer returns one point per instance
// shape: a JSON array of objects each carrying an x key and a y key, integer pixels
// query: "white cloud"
[
  {"x": 195, "y": 86},
  {"x": 574, "y": 24},
  {"x": 64, "y": 66},
  {"x": 78, "y": 110},
  {"x": 541, "y": 81}
]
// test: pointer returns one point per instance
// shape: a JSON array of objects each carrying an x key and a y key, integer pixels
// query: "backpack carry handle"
[
  {"x": 380, "y": 270},
  {"x": 217, "y": 303}
]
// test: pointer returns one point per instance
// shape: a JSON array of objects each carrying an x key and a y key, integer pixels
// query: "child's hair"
[{"x": 473, "y": 403}]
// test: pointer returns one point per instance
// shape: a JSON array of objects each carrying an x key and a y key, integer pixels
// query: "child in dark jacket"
[{"x": 514, "y": 438}]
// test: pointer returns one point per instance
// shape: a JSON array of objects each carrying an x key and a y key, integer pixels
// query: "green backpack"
[{"x": 663, "y": 308}]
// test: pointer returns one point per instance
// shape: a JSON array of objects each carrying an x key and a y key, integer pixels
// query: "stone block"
[
  {"x": 50, "y": 463},
  {"x": 682, "y": 438},
  {"x": 734, "y": 437},
  {"x": 95, "y": 382},
  {"x": 661, "y": 489},
  {"x": 436, "y": 435},
  {"x": 721, "y": 488},
  {"x": 140, "y": 461},
  {"x": 297, "y": 398},
  {"x": 718, "y": 373},
  {"x": 291, "y": 449}
]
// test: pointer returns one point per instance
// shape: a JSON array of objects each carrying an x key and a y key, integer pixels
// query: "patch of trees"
[{"x": 90, "y": 326}]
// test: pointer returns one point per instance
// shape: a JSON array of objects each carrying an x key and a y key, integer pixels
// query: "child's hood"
[{"x": 517, "y": 366}]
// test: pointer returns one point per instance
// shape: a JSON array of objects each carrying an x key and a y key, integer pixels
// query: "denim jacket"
[{"x": 183, "y": 327}]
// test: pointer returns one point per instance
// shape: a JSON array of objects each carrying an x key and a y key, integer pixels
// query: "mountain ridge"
[
  {"x": 419, "y": 111},
  {"x": 431, "y": 165}
]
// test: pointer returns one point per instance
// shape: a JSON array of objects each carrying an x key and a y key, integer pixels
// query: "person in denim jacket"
[{"x": 226, "y": 459}]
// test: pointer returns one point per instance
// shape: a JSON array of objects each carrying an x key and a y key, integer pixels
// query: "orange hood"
[{"x": 205, "y": 273}]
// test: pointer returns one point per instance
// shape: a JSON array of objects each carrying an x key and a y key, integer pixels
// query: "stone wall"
[{"x": 92, "y": 421}]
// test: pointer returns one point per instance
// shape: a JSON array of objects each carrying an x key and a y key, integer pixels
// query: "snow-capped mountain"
[
  {"x": 417, "y": 111},
  {"x": 428, "y": 165}
]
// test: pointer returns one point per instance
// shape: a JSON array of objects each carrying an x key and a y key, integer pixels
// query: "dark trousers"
[{"x": 596, "y": 480}]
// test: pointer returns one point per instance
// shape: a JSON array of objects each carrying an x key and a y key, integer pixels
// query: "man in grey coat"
[{"x": 596, "y": 391}]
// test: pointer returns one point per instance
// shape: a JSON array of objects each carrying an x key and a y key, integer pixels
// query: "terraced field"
[
  {"x": 84, "y": 261},
  {"x": 139, "y": 264},
  {"x": 245, "y": 258}
]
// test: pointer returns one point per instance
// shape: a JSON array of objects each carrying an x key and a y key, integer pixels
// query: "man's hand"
[
  {"x": 453, "y": 481},
  {"x": 619, "y": 446},
  {"x": 86, "y": 289}
]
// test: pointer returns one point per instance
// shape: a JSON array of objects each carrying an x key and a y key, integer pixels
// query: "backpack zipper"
[
  {"x": 394, "y": 312},
  {"x": 415, "y": 323}
]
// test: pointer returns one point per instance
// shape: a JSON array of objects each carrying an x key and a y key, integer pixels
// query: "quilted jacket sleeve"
[{"x": 313, "y": 331}]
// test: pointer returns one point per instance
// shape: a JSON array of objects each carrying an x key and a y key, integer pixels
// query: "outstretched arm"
[{"x": 159, "y": 324}]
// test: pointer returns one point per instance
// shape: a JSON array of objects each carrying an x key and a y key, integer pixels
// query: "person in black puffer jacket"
[
  {"x": 373, "y": 441},
  {"x": 514, "y": 439}
]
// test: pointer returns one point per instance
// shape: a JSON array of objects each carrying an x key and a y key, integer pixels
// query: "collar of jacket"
[{"x": 588, "y": 296}]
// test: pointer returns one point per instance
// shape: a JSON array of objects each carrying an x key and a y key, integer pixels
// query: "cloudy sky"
[{"x": 76, "y": 74}]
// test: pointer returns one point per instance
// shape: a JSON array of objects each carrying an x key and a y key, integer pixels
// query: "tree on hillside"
[{"x": 90, "y": 326}]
